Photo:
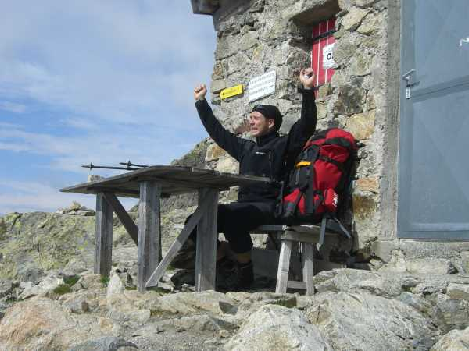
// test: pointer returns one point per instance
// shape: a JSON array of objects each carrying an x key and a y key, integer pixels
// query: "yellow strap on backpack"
[{"x": 303, "y": 163}]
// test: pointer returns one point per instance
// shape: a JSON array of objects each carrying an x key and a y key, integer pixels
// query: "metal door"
[{"x": 434, "y": 120}]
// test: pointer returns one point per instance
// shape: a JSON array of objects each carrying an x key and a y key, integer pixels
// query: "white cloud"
[
  {"x": 103, "y": 146},
  {"x": 79, "y": 123},
  {"x": 12, "y": 107},
  {"x": 14, "y": 147},
  {"x": 33, "y": 196}
]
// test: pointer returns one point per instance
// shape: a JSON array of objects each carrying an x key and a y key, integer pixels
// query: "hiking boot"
[
  {"x": 226, "y": 275},
  {"x": 234, "y": 276},
  {"x": 245, "y": 275},
  {"x": 185, "y": 258}
]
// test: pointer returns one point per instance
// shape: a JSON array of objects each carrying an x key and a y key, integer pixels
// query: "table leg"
[
  {"x": 103, "y": 236},
  {"x": 206, "y": 248},
  {"x": 148, "y": 231}
]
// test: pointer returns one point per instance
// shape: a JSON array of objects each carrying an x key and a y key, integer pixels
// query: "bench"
[
  {"x": 294, "y": 239},
  {"x": 306, "y": 237}
]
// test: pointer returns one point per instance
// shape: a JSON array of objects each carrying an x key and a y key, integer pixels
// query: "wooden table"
[{"x": 150, "y": 184}]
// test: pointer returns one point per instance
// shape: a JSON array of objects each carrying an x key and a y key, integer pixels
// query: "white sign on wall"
[
  {"x": 262, "y": 86},
  {"x": 328, "y": 56}
]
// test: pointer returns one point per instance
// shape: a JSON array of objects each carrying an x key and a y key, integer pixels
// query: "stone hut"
[{"x": 409, "y": 199}]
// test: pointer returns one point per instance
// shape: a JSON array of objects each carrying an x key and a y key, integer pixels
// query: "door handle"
[{"x": 408, "y": 77}]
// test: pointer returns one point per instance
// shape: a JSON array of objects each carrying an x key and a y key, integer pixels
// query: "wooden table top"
[{"x": 172, "y": 179}]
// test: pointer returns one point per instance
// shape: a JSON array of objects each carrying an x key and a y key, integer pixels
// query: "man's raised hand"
[
  {"x": 307, "y": 77},
  {"x": 200, "y": 91}
]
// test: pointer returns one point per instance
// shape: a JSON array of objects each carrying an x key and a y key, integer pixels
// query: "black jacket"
[{"x": 270, "y": 155}]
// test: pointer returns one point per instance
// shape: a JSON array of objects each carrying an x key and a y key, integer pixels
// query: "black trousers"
[{"x": 236, "y": 219}]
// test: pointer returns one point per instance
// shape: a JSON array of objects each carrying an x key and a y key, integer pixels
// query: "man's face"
[{"x": 259, "y": 124}]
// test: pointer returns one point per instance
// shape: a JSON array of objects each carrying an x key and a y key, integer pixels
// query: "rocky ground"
[{"x": 51, "y": 300}]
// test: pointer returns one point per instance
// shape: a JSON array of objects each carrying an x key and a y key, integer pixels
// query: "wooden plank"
[
  {"x": 191, "y": 182},
  {"x": 283, "y": 266},
  {"x": 124, "y": 217},
  {"x": 296, "y": 285},
  {"x": 269, "y": 228},
  {"x": 206, "y": 246},
  {"x": 301, "y": 237},
  {"x": 308, "y": 267},
  {"x": 177, "y": 244},
  {"x": 119, "y": 191},
  {"x": 148, "y": 231},
  {"x": 187, "y": 178},
  {"x": 103, "y": 236}
]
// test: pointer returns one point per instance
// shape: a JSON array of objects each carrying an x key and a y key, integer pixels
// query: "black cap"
[{"x": 270, "y": 112}]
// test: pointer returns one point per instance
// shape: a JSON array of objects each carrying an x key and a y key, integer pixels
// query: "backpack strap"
[
  {"x": 344, "y": 230},
  {"x": 339, "y": 141},
  {"x": 291, "y": 207},
  {"x": 322, "y": 231},
  {"x": 339, "y": 165}
]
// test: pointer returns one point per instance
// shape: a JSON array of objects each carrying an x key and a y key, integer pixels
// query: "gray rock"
[
  {"x": 415, "y": 301},
  {"x": 6, "y": 288},
  {"x": 458, "y": 291},
  {"x": 277, "y": 328},
  {"x": 83, "y": 301},
  {"x": 350, "y": 280},
  {"x": 89, "y": 281},
  {"x": 109, "y": 343},
  {"x": 430, "y": 265},
  {"x": 353, "y": 19},
  {"x": 44, "y": 288},
  {"x": 188, "y": 303},
  {"x": 360, "y": 321},
  {"x": 449, "y": 313},
  {"x": 455, "y": 340},
  {"x": 115, "y": 285},
  {"x": 43, "y": 324},
  {"x": 197, "y": 323}
]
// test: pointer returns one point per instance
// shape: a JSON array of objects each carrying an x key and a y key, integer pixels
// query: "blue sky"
[{"x": 94, "y": 81}]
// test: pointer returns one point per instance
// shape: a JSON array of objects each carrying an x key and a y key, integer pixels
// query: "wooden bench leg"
[
  {"x": 283, "y": 266},
  {"x": 148, "y": 231},
  {"x": 103, "y": 236},
  {"x": 308, "y": 267}
]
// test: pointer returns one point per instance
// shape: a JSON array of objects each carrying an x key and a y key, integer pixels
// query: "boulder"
[
  {"x": 277, "y": 328},
  {"x": 355, "y": 280},
  {"x": 360, "y": 321},
  {"x": 115, "y": 285},
  {"x": 187, "y": 303},
  {"x": 455, "y": 340},
  {"x": 43, "y": 324},
  {"x": 44, "y": 288},
  {"x": 105, "y": 344}
]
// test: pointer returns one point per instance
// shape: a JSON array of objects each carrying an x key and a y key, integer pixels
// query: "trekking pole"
[
  {"x": 91, "y": 166},
  {"x": 130, "y": 164}
]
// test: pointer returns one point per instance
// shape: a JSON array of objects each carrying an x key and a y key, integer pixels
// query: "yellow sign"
[{"x": 231, "y": 91}]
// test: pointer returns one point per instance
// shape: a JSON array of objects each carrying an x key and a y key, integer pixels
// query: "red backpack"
[{"x": 318, "y": 184}]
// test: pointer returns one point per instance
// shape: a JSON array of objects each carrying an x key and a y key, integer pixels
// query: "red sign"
[{"x": 322, "y": 57}]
